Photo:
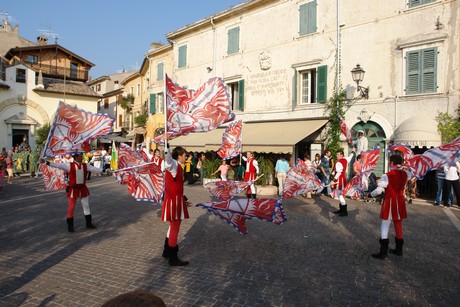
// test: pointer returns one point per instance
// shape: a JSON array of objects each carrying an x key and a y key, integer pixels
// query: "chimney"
[
  {"x": 40, "y": 80},
  {"x": 42, "y": 40}
]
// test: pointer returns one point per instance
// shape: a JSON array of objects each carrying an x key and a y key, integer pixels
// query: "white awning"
[
  {"x": 417, "y": 131},
  {"x": 276, "y": 137}
]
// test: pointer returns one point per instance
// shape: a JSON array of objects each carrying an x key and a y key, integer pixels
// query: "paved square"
[{"x": 314, "y": 259}]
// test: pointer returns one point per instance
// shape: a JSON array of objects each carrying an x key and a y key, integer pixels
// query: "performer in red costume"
[
  {"x": 76, "y": 187},
  {"x": 174, "y": 208},
  {"x": 158, "y": 160},
  {"x": 251, "y": 173},
  {"x": 393, "y": 207},
  {"x": 340, "y": 180}
]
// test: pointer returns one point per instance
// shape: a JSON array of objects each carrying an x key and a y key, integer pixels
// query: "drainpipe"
[{"x": 213, "y": 47}]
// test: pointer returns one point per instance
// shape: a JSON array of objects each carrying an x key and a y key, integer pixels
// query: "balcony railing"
[{"x": 60, "y": 72}]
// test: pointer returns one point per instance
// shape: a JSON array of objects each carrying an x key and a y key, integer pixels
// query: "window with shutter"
[
  {"x": 322, "y": 84},
  {"x": 414, "y": 3},
  {"x": 241, "y": 95},
  {"x": 152, "y": 103},
  {"x": 421, "y": 68},
  {"x": 307, "y": 18},
  {"x": 236, "y": 92},
  {"x": 160, "y": 71},
  {"x": 182, "y": 56},
  {"x": 233, "y": 40}
]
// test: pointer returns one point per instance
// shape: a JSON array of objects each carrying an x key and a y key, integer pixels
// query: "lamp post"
[{"x": 357, "y": 74}]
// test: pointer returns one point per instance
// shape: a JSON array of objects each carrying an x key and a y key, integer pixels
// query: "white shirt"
[
  {"x": 361, "y": 145},
  {"x": 452, "y": 171},
  {"x": 170, "y": 164}
]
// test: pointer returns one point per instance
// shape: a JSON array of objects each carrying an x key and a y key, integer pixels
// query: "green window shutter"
[
  {"x": 429, "y": 65},
  {"x": 413, "y": 76},
  {"x": 160, "y": 71},
  {"x": 241, "y": 95},
  {"x": 321, "y": 84},
  {"x": 307, "y": 18},
  {"x": 182, "y": 56},
  {"x": 294, "y": 88},
  {"x": 153, "y": 103},
  {"x": 233, "y": 40}
]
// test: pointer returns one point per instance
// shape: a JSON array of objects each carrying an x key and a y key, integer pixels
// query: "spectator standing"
[
  {"x": 325, "y": 166},
  {"x": 451, "y": 182},
  {"x": 361, "y": 143},
  {"x": 9, "y": 166},
  {"x": 440, "y": 177},
  {"x": 281, "y": 169}
]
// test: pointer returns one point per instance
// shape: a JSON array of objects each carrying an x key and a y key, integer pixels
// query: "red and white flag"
[
  {"x": 190, "y": 111},
  {"x": 231, "y": 141},
  {"x": 226, "y": 190},
  {"x": 300, "y": 180},
  {"x": 344, "y": 129},
  {"x": 359, "y": 183},
  {"x": 73, "y": 130}
]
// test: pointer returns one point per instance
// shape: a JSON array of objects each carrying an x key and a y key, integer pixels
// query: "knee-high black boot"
[
  {"x": 166, "y": 249},
  {"x": 173, "y": 259},
  {"x": 70, "y": 225},
  {"x": 398, "y": 250},
  {"x": 338, "y": 211},
  {"x": 89, "y": 224},
  {"x": 253, "y": 195},
  {"x": 344, "y": 211},
  {"x": 383, "y": 253}
]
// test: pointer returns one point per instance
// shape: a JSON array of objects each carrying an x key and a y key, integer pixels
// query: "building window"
[
  {"x": 153, "y": 99},
  {"x": 236, "y": 91},
  {"x": 32, "y": 59},
  {"x": 106, "y": 103},
  {"x": 233, "y": 40},
  {"x": 307, "y": 18},
  {"x": 20, "y": 75},
  {"x": 73, "y": 70},
  {"x": 414, "y": 3},
  {"x": 421, "y": 68},
  {"x": 98, "y": 105},
  {"x": 312, "y": 85},
  {"x": 160, "y": 71},
  {"x": 99, "y": 87},
  {"x": 138, "y": 90},
  {"x": 182, "y": 56},
  {"x": 160, "y": 103}
]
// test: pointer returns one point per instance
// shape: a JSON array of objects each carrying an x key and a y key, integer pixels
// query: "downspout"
[{"x": 213, "y": 47}]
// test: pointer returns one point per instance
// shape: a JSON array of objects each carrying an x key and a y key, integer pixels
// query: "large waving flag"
[
  {"x": 226, "y": 190},
  {"x": 431, "y": 159},
  {"x": 300, "y": 180},
  {"x": 344, "y": 129},
  {"x": 358, "y": 184},
  {"x": 145, "y": 180},
  {"x": 202, "y": 110},
  {"x": 231, "y": 141},
  {"x": 236, "y": 212},
  {"x": 53, "y": 178},
  {"x": 73, "y": 130}
]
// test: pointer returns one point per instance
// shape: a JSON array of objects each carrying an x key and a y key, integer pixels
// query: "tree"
[
  {"x": 336, "y": 104},
  {"x": 448, "y": 126},
  {"x": 41, "y": 134}
]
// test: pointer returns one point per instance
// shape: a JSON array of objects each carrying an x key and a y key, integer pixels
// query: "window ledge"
[
  {"x": 420, "y": 6},
  {"x": 416, "y": 96}
]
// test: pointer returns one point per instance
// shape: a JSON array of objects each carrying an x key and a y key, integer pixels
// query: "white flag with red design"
[
  {"x": 343, "y": 127},
  {"x": 231, "y": 141},
  {"x": 73, "y": 129},
  {"x": 189, "y": 111}
]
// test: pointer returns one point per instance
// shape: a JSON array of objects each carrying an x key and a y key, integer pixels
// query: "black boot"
[
  {"x": 383, "y": 249},
  {"x": 249, "y": 195},
  {"x": 173, "y": 259},
  {"x": 398, "y": 250},
  {"x": 70, "y": 225},
  {"x": 166, "y": 249},
  {"x": 344, "y": 211},
  {"x": 89, "y": 225},
  {"x": 253, "y": 196},
  {"x": 338, "y": 211}
]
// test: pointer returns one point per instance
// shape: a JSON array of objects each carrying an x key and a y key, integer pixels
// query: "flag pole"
[{"x": 165, "y": 105}]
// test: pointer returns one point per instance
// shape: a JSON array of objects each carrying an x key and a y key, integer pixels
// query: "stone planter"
[
  {"x": 266, "y": 190},
  {"x": 206, "y": 180}
]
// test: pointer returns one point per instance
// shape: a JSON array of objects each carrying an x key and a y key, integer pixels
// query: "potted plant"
[{"x": 209, "y": 166}]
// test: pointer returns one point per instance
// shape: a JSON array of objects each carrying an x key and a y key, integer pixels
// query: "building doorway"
[
  {"x": 376, "y": 137},
  {"x": 20, "y": 136}
]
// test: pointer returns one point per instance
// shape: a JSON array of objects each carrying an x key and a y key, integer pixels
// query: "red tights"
[
  {"x": 173, "y": 232},
  {"x": 398, "y": 229},
  {"x": 71, "y": 207}
]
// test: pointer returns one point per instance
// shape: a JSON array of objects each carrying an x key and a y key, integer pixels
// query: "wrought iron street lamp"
[{"x": 357, "y": 74}]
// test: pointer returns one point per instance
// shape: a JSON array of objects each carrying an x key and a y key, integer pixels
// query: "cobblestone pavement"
[{"x": 314, "y": 259}]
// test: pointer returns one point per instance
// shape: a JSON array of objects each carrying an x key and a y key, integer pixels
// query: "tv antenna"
[
  {"x": 7, "y": 18},
  {"x": 50, "y": 34}
]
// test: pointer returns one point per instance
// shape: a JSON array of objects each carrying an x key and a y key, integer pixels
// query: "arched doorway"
[{"x": 376, "y": 137}]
